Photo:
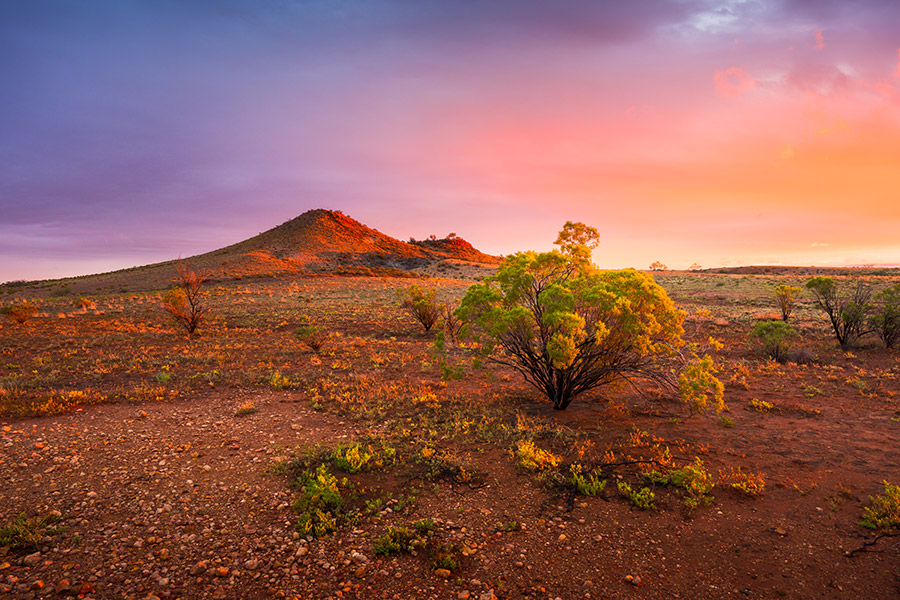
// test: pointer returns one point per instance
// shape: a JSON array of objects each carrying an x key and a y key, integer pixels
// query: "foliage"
[
  {"x": 312, "y": 336},
  {"x": 658, "y": 266},
  {"x": 698, "y": 385},
  {"x": 532, "y": 458},
  {"x": 569, "y": 327},
  {"x": 773, "y": 338},
  {"x": 750, "y": 484},
  {"x": 353, "y": 458},
  {"x": 761, "y": 405},
  {"x": 693, "y": 479},
  {"x": 246, "y": 408},
  {"x": 577, "y": 240},
  {"x": 587, "y": 485},
  {"x": 24, "y": 534},
  {"x": 20, "y": 312},
  {"x": 786, "y": 295},
  {"x": 885, "y": 320},
  {"x": 185, "y": 301},
  {"x": 320, "y": 502},
  {"x": 883, "y": 511},
  {"x": 644, "y": 498},
  {"x": 420, "y": 303},
  {"x": 394, "y": 541},
  {"x": 846, "y": 312}
]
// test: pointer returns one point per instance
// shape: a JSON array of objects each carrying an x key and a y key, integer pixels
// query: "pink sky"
[{"x": 721, "y": 133}]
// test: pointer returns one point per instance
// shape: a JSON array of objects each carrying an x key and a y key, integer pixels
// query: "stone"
[
  {"x": 443, "y": 573},
  {"x": 32, "y": 559}
]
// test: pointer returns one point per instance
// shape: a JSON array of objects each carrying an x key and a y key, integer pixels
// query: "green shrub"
[
  {"x": 420, "y": 303},
  {"x": 883, "y": 511},
  {"x": 693, "y": 479},
  {"x": 587, "y": 485},
  {"x": 568, "y": 327},
  {"x": 773, "y": 338},
  {"x": 312, "y": 336},
  {"x": 395, "y": 541},
  {"x": 644, "y": 498},
  {"x": 320, "y": 503}
]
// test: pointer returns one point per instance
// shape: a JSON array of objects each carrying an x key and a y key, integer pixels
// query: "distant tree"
[
  {"x": 185, "y": 301},
  {"x": 658, "y": 266},
  {"x": 786, "y": 295},
  {"x": 432, "y": 237},
  {"x": 451, "y": 236},
  {"x": 885, "y": 320},
  {"x": 695, "y": 267},
  {"x": 847, "y": 313},
  {"x": 569, "y": 327},
  {"x": 421, "y": 304}
]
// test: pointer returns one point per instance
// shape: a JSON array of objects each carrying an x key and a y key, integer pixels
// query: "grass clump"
[
  {"x": 749, "y": 484},
  {"x": 587, "y": 484},
  {"x": 884, "y": 510},
  {"x": 394, "y": 541},
  {"x": 761, "y": 405},
  {"x": 20, "y": 312}
]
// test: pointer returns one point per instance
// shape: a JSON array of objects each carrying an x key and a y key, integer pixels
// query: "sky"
[{"x": 723, "y": 133}]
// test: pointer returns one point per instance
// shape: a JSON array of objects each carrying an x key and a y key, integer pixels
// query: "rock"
[
  {"x": 562, "y": 536},
  {"x": 360, "y": 572},
  {"x": 464, "y": 595},
  {"x": 443, "y": 573},
  {"x": 221, "y": 572},
  {"x": 302, "y": 551},
  {"x": 32, "y": 559},
  {"x": 488, "y": 595},
  {"x": 63, "y": 586},
  {"x": 251, "y": 565},
  {"x": 358, "y": 557},
  {"x": 198, "y": 568}
]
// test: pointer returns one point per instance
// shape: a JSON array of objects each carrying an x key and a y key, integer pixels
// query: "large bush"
[
  {"x": 885, "y": 319},
  {"x": 421, "y": 304},
  {"x": 773, "y": 338},
  {"x": 846, "y": 311},
  {"x": 185, "y": 301},
  {"x": 569, "y": 327}
]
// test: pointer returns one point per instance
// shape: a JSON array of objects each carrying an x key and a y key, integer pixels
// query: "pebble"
[
  {"x": 443, "y": 573},
  {"x": 32, "y": 559}
]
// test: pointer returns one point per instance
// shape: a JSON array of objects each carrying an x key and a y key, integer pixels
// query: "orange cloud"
[
  {"x": 733, "y": 82},
  {"x": 820, "y": 42}
]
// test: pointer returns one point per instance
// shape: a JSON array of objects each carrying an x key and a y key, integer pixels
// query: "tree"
[
  {"x": 695, "y": 267},
  {"x": 420, "y": 303},
  {"x": 658, "y": 266},
  {"x": 577, "y": 240},
  {"x": 569, "y": 327},
  {"x": 846, "y": 313},
  {"x": 21, "y": 312},
  {"x": 786, "y": 295},
  {"x": 886, "y": 318},
  {"x": 184, "y": 301}
]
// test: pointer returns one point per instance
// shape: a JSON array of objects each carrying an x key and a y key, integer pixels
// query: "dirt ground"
[{"x": 170, "y": 461}]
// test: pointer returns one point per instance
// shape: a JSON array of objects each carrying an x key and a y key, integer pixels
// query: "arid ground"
[{"x": 141, "y": 463}]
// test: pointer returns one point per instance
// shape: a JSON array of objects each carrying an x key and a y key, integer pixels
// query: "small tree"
[
  {"x": 786, "y": 295},
  {"x": 846, "y": 313},
  {"x": 886, "y": 318},
  {"x": 658, "y": 266},
  {"x": 420, "y": 303},
  {"x": 695, "y": 267},
  {"x": 773, "y": 338},
  {"x": 185, "y": 301},
  {"x": 569, "y": 327},
  {"x": 21, "y": 312}
]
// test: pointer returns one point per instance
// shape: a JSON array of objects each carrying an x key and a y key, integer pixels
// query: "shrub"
[
  {"x": 883, "y": 511},
  {"x": 320, "y": 502},
  {"x": 698, "y": 385},
  {"x": 20, "y": 313},
  {"x": 184, "y": 302},
  {"x": 312, "y": 336},
  {"x": 749, "y": 484},
  {"x": 533, "y": 458},
  {"x": 420, "y": 303},
  {"x": 786, "y": 295},
  {"x": 886, "y": 318},
  {"x": 394, "y": 541},
  {"x": 568, "y": 327},
  {"x": 658, "y": 266},
  {"x": 773, "y": 338},
  {"x": 24, "y": 534},
  {"x": 587, "y": 485},
  {"x": 693, "y": 479},
  {"x": 846, "y": 313},
  {"x": 644, "y": 498}
]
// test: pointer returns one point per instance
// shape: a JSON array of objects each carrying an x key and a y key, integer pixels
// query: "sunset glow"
[{"x": 718, "y": 133}]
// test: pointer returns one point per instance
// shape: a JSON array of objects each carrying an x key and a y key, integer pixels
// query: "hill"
[{"x": 318, "y": 242}]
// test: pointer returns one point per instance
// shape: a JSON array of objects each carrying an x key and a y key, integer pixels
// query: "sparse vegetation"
[
  {"x": 24, "y": 534},
  {"x": 885, "y": 320},
  {"x": 20, "y": 312},
  {"x": 883, "y": 510}
]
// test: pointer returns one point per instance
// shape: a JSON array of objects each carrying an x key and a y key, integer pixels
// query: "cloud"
[
  {"x": 787, "y": 152},
  {"x": 732, "y": 82},
  {"x": 818, "y": 245},
  {"x": 820, "y": 42},
  {"x": 897, "y": 72}
]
